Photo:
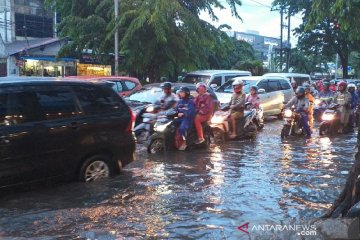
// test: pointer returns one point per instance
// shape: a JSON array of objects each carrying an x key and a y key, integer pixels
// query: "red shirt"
[{"x": 204, "y": 104}]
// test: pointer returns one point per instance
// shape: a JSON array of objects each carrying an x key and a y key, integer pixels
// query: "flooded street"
[{"x": 202, "y": 194}]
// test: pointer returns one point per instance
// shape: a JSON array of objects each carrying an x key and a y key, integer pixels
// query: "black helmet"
[
  {"x": 186, "y": 90},
  {"x": 166, "y": 85},
  {"x": 300, "y": 90}
]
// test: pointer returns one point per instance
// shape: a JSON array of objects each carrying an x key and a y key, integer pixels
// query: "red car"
[{"x": 124, "y": 85}]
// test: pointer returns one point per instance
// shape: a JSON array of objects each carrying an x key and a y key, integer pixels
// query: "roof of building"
[{"x": 24, "y": 45}]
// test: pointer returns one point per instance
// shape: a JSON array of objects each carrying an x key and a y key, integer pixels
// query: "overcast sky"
[{"x": 256, "y": 15}]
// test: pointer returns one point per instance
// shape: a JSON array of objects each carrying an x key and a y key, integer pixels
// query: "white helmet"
[
  {"x": 238, "y": 82},
  {"x": 351, "y": 85},
  {"x": 201, "y": 84}
]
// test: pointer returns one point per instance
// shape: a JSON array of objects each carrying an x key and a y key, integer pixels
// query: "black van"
[{"x": 58, "y": 128}]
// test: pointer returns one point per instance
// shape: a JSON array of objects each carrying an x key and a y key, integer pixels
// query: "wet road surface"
[{"x": 202, "y": 194}]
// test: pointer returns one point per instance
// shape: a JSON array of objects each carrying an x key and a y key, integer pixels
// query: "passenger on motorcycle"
[
  {"x": 186, "y": 114},
  {"x": 253, "y": 98},
  {"x": 343, "y": 98},
  {"x": 167, "y": 99},
  {"x": 311, "y": 99},
  {"x": 354, "y": 100},
  {"x": 236, "y": 105},
  {"x": 294, "y": 84},
  {"x": 326, "y": 94},
  {"x": 204, "y": 106},
  {"x": 333, "y": 87},
  {"x": 301, "y": 104}
]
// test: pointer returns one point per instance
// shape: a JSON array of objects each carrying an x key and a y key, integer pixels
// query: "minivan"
[
  {"x": 62, "y": 128},
  {"x": 213, "y": 78},
  {"x": 300, "y": 78},
  {"x": 273, "y": 91}
]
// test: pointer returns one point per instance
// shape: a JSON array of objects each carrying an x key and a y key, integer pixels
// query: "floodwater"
[{"x": 199, "y": 194}]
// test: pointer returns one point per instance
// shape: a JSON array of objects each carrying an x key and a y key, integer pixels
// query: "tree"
[
  {"x": 318, "y": 35},
  {"x": 157, "y": 36}
]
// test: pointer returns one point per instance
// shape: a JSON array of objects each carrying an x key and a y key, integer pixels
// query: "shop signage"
[
  {"x": 86, "y": 58},
  {"x": 20, "y": 62}
]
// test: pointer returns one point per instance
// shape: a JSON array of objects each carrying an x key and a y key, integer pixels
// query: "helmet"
[
  {"x": 351, "y": 85},
  {"x": 201, "y": 84},
  {"x": 300, "y": 90},
  {"x": 358, "y": 84},
  {"x": 166, "y": 85},
  {"x": 306, "y": 86},
  {"x": 332, "y": 82},
  {"x": 342, "y": 84},
  {"x": 185, "y": 90},
  {"x": 326, "y": 83},
  {"x": 237, "y": 82}
]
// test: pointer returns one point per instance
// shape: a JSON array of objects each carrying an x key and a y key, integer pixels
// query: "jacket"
[
  {"x": 204, "y": 104},
  {"x": 237, "y": 102}
]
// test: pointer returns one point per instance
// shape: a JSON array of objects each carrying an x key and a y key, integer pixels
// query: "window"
[
  {"x": 117, "y": 86},
  {"x": 217, "y": 81},
  {"x": 58, "y": 103},
  {"x": 229, "y": 77},
  {"x": 263, "y": 85},
  {"x": 285, "y": 84},
  {"x": 274, "y": 85},
  {"x": 129, "y": 85},
  {"x": 97, "y": 100}
]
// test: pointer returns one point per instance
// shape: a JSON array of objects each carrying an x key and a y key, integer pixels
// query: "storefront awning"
[{"x": 45, "y": 58}]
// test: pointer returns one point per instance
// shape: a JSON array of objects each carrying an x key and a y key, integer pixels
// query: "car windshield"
[
  {"x": 228, "y": 88},
  {"x": 194, "y": 78},
  {"x": 146, "y": 95}
]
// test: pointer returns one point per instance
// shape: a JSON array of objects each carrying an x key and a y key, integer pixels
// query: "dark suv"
[{"x": 52, "y": 128}]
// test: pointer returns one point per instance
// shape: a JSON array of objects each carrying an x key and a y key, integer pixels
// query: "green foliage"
[{"x": 254, "y": 66}]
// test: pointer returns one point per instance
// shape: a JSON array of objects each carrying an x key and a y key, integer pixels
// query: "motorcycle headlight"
[
  {"x": 288, "y": 113},
  {"x": 217, "y": 119},
  {"x": 161, "y": 127},
  {"x": 150, "y": 109},
  {"x": 317, "y": 101},
  {"x": 328, "y": 116}
]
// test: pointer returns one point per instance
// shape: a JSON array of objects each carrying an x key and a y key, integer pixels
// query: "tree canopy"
[{"x": 157, "y": 37}]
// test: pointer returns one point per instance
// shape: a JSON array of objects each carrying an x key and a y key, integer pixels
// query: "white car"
[{"x": 273, "y": 92}]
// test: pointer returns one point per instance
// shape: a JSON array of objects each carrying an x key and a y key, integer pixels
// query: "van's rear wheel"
[{"x": 95, "y": 168}]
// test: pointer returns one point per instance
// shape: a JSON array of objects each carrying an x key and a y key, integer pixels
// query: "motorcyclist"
[
  {"x": 236, "y": 105},
  {"x": 253, "y": 97},
  {"x": 186, "y": 114},
  {"x": 301, "y": 104},
  {"x": 204, "y": 108},
  {"x": 357, "y": 92},
  {"x": 311, "y": 99},
  {"x": 294, "y": 84},
  {"x": 326, "y": 94},
  {"x": 354, "y": 100},
  {"x": 343, "y": 98},
  {"x": 168, "y": 99},
  {"x": 333, "y": 87}
]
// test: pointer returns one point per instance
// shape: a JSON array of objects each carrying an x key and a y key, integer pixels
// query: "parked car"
[
  {"x": 123, "y": 85},
  {"x": 273, "y": 91},
  {"x": 298, "y": 77},
  {"x": 62, "y": 128},
  {"x": 213, "y": 78}
]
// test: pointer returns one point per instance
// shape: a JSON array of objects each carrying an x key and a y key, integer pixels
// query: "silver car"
[{"x": 273, "y": 92}]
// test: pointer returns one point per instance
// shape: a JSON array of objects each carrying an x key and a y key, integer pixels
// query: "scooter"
[
  {"x": 247, "y": 126},
  {"x": 146, "y": 119},
  {"x": 330, "y": 124},
  {"x": 164, "y": 135},
  {"x": 292, "y": 124},
  {"x": 320, "y": 105}
]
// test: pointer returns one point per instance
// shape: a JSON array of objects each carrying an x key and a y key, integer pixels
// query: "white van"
[
  {"x": 300, "y": 78},
  {"x": 213, "y": 78}
]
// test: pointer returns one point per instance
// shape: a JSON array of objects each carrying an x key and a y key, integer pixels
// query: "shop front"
[
  {"x": 46, "y": 66},
  {"x": 86, "y": 69}
]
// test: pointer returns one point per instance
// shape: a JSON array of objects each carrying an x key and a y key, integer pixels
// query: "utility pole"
[
  {"x": 281, "y": 36},
  {"x": 116, "y": 3},
  {"x": 289, "y": 46},
  {"x": 6, "y": 22}
]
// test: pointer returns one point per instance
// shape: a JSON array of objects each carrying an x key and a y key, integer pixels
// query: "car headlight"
[
  {"x": 150, "y": 109},
  {"x": 328, "y": 116},
  {"x": 162, "y": 127},
  {"x": 317, "y": 101},
  {"x": 288, "y": 113}
]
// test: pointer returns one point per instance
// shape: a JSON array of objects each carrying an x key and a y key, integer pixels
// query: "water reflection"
[{"x": 194, "y": 194}]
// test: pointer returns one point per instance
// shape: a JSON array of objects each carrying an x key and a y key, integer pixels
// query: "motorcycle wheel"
[
  {"x": 285, "y": 132},
  {"x": 219, "y": 135},
  {"x": 156, "y": 146},
  {"x": 207, "y": 137},
  {"x": 324, "y": 130},
  {"x": 251, "y": 130},
  {"x": 260, "y": 124}
]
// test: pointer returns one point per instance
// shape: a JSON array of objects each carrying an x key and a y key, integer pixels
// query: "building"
[
  {"x": 29, "y": 46},
  {"x": 262, "y": 45}
]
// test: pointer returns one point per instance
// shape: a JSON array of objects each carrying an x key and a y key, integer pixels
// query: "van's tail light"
[{"x": 131, "y": 125}]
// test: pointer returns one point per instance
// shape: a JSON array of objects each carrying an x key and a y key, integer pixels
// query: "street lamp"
[{"x": 116, "y": 3}]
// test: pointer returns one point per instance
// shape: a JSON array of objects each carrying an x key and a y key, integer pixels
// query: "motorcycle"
[
  {"x": 146, "y": 119},
  {"x": 330, "y": 120},
  {"x": 247, "y": 126},
  {"x": 320, "y": 105},
  {"x": 165, "y": 133},
  {"x": 292, "y": 124}
]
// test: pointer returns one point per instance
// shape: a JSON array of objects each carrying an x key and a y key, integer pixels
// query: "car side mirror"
[
  {"x": 214, "y": 86},
  {"x": 261, "y": 91}
]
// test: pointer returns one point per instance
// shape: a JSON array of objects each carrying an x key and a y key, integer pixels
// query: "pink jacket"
[{"x": 204, "y": 104}]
